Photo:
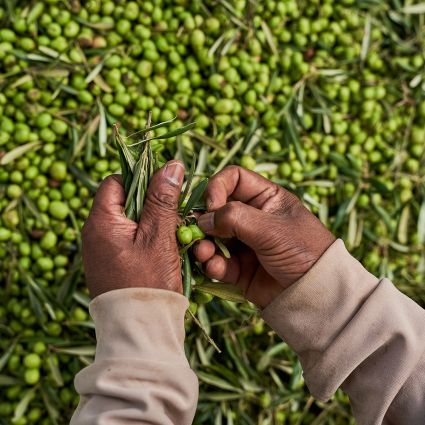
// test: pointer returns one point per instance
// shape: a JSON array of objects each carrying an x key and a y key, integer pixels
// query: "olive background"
[{"x": 327, "y": 98}]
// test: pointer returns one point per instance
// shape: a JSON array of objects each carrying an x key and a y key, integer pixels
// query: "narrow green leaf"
[
  {"x": 414, "y": 9},
  {"x": 217, "y": 382},
  {"x": 292, "y": 131},
  {"x": 36, "y": 306},
  {"x": 5, "y": 357},
  {"x": 23, "y": 404},
  {"x": 143, "y": 131},
  {"x": 130, "y": 203},
  {"x": 53, "y": 53},
  {"x": 101, "y": 26},
  {"x": 251, "y": 138},
  {"x": 84, "y": 178},
  {"x": 341, "y": 214},
  {"x": 175, "y": 132},
  {"x": 30, "y": 56},
  {"x": 221, "y": 290},
  {"x": 18, "y": 152},
  {"x": 103, "y": 135},
  {"x": 50, "y": 406},
  {"x": 99, "y": 81},
  {"x": 366, "y": 38},
  {"x": 54, "y": 369},
  {"x": 9, "y": 381},
  {"x": 35, "y": 12},
  {"x": 352, "y": 228},
  {"x": 187, "y": 275},
  {"x": 77, "y": 351},
  {"x": 269, "y": 38},
  {"x": 206, "y": 140},
  {"x": 24, "y": 79},
  {"x": 383, "y": 214},
  {"x": 32, "y": 208},
  {"x": 421, "y": 225},
  {"x": 403, "y": 225},
  {"x": 188, "y": 181},
  {"x": 169, "y": 134},
  {"x": 123, "y": 148},
  {"x": 232, "y": 152},
  {"x": 94, "y": 72},
  {"x": 269, "y": 354},
  {"x": 82, "y": 299},
  {"x": 222, "y": 247},
  {"x": 195, "y": 197}
]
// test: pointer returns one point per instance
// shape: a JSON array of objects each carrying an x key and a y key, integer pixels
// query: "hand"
[
  {"x": 276, "y": 240},
  {"x": 119, "y": 253}
]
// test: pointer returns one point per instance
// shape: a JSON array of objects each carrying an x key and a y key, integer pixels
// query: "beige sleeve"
[
  {"x": 140, "y": 373},
  {"x": 354, "y": 331}
]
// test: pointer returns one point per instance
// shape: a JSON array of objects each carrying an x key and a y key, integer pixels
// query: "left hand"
[
  {"x": 275, "y": 240},
  {"x": 119, "y": 253}
]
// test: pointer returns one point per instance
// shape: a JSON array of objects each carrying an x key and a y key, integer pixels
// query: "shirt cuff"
[
  {"x": 140, "y": 323},
  {"x": 312, "y": 312}
]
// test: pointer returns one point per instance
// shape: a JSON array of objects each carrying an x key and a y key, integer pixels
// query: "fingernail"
[
  {"x": 210, "y": 204},
  {"x": 174, "y": 173},
  {"x": 206, "y": 222}
]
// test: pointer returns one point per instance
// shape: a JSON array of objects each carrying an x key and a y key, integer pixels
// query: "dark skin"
[
  {"x": 273, "y": 238},
  {"x": 119, "y": 253},
  {"x": 276, "y": 240}
]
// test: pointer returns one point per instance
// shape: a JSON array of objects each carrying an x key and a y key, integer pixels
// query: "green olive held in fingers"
[
  {"x": 184, "y": 235},
  {"x": 196, "y": 231}
]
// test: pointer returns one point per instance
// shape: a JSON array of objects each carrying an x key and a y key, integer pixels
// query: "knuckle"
[
  {"x": 273, "y": 192},
  {"x": 164, "y": 199},
  {"x": 233, "y": 168},
  {"x": 291, "y": 205},
  {"x": 232, "y": 212}
]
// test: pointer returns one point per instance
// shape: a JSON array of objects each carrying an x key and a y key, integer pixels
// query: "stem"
[{"x": 187, "y": 275}]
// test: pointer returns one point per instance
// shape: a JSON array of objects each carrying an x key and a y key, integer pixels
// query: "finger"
[
  {"x": 204, "y": 250},
  {"x": 239, "y": 220},
  {"x": 162, "y": 197},
  {"x": 224, "y": 269},
  {"x": 241, "y": 185},
  {"x": 110, "y": 196}
]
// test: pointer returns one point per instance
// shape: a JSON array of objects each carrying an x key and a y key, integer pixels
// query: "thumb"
[
  {"x": 239, "y": 220},
  {"x": 162, "y": 198}
]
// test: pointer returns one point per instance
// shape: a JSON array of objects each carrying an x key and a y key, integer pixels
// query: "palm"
[{"x": 253, "y": 277}]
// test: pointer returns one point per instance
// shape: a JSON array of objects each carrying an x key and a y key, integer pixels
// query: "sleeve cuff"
[
  {"x": 140, "y": 323},
  {"x": 311, "y": 313}
]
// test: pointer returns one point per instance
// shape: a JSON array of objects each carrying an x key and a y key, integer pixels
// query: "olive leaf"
[
  {"x": 188, "y": 181},
  {"x": 167, "y": 135},
  {"x": 139, "y": 162},
  {"x": 195, "y": 197},
  {"x": 18, "y": 152},
  {"x": 221, "y": 290}
]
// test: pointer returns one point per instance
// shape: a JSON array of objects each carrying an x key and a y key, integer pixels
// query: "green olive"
[
  {"x": 32, "y": 361},
  {"x": 202, "y": 297},
  {"x": 196, "y": 231},
  {"x": 58, "y": 210},
  {"x": 184, "y": 235},
  {"x": 32, "y": 376}
]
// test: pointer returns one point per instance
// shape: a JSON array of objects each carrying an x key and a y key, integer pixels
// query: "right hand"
[{"x": 276, "y": 240}]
